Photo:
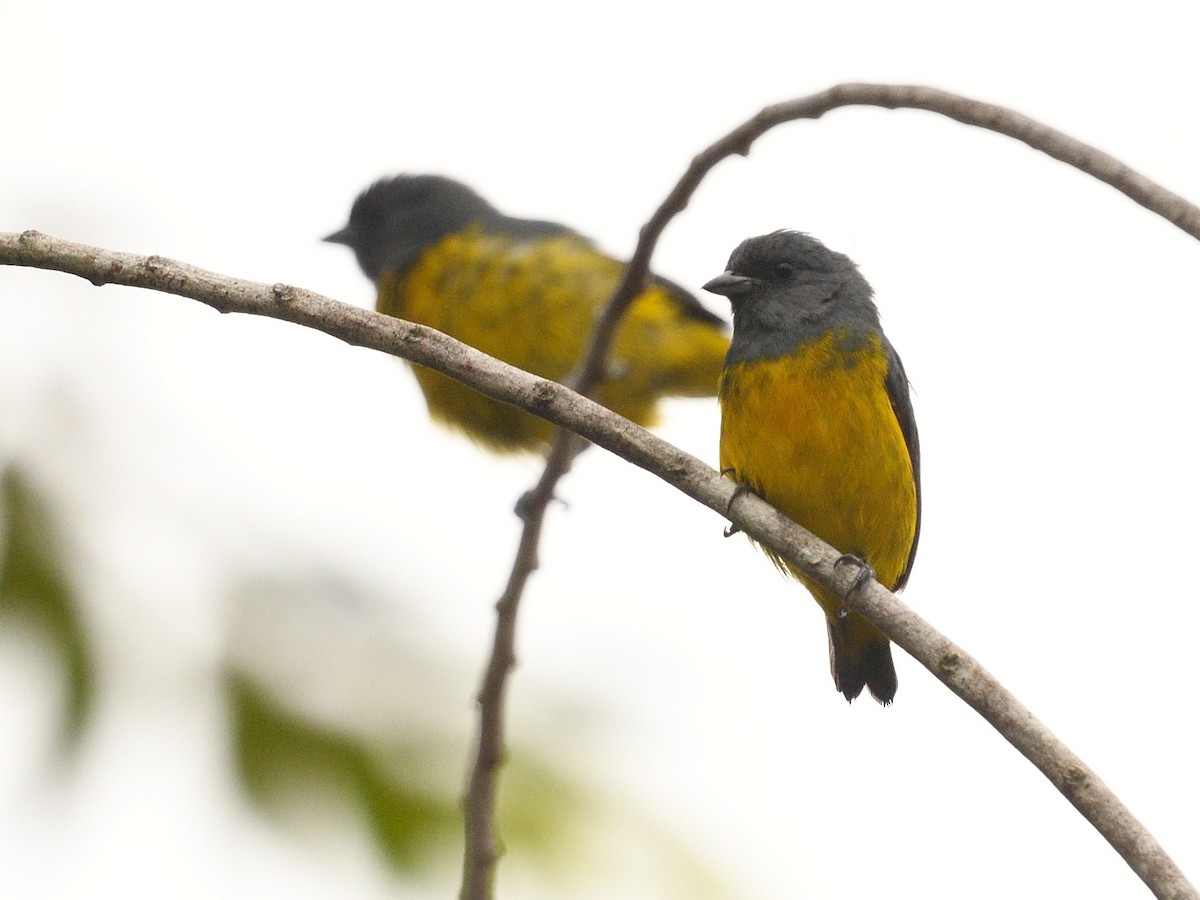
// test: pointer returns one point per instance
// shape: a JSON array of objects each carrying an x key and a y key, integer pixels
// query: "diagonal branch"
[
  {"x": 556, "y": 403},
  {"x": 481, "y": 852}
]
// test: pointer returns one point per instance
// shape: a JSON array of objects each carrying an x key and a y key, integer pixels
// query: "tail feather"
[{"x": 860, "y": 656}]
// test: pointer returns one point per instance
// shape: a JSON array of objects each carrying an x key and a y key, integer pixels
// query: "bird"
[
  {"x": 526, "y": 291},
  {"x": 817, "y": 419}
]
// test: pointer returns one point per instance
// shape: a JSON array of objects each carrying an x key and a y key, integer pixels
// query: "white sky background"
[{"x": 1047, "y": 324}]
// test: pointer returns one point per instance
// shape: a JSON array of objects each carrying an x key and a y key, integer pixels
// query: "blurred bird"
[
  {"x": 816, "y": 419},
  {"x": 527, "y": 292}
]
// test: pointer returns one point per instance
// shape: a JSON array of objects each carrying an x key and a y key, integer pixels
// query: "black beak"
[
  {"x": 345, "y": 236},
  {"x": 729, "y": 285}
]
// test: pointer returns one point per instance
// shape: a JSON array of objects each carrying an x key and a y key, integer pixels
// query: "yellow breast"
[{"x": 815, "y": 436}]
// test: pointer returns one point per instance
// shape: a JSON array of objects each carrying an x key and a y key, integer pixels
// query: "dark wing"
[
  {"x": 526, "y": 228},
  {"x": 898, "y": 393},
  {"x": 689, "y": 306}
]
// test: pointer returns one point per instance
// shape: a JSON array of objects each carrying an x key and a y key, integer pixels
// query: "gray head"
[
  {"x": 787, "y": 288},
  {"x": 396, "y": 219}
]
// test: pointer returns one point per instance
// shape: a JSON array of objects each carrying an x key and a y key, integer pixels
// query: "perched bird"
[
  {"x": 816, "y": 419},
  {"x": 527, "y": 292}
]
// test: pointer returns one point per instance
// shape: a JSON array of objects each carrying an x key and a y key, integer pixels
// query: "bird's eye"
[{"x": 783, "y": 270}]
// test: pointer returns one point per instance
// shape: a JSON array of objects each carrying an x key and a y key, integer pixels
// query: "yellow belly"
[
  {"x": 815, "y": 436},
  {"x": 532, "y": 303}
]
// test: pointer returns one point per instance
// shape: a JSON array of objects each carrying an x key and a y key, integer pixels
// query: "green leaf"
[
  {"x": 408, "y": 793},
  {"x": 35, "y": 591},
  {"x": 284, "y": 754}
]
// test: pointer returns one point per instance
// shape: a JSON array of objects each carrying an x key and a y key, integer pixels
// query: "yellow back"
[{"x": 532, "y": 303}]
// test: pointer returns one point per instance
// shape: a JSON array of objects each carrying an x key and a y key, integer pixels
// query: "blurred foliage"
[
  {"x": 416, "y": 820},
  {"x": 546, "y": 819},
  {"x": 283, "y": 753},
  {"x": 35, "y": 591},
  {"x": 400, "y": 786},
  {"x": 405, "y": 788}
]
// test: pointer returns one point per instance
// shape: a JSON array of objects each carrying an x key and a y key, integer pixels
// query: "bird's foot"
[
  {"x": 739, "y": 488},
  {"x": 864, "y": 574}
]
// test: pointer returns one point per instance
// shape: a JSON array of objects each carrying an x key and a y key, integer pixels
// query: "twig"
[
  {"x": 480, "y": 858},
  {"x": 481, "y": 850},
  {"x": 564, "y": 408}
]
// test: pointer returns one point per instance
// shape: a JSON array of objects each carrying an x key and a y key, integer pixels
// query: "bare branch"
[
  {"x": 480, "y": 859},
  {"x": 479, "y": 804},
  {"x": 949, "y": 663}
]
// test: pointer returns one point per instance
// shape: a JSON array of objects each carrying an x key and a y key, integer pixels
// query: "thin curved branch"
[
  {"x": 558, "y": 404},
  {"x": 1172, "y": 207},
  {"x": 481, "y": 850}
]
